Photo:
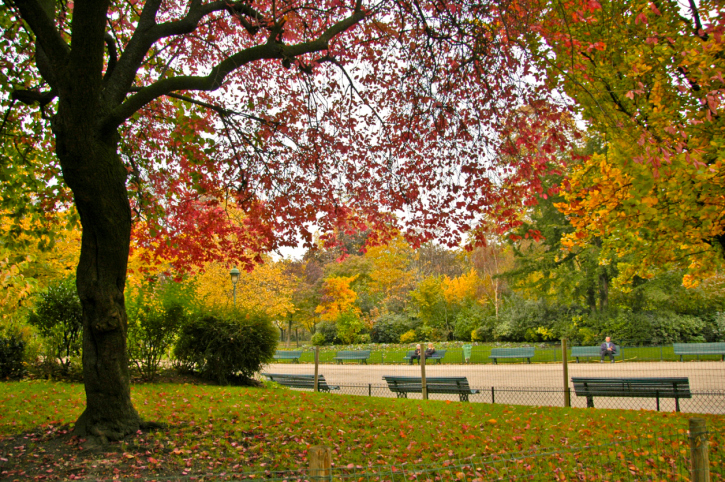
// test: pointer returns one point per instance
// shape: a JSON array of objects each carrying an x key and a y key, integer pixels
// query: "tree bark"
[{"x": 93, "y": 170}]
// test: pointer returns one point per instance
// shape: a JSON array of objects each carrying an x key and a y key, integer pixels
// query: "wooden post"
[
  {"x": 423, "y": 387},
  {"x": 320, "y": 459},
  {"x": 317, "y": 366},
  {"x": 567, "y": 393},
  {"x": 699, "y": 450}
]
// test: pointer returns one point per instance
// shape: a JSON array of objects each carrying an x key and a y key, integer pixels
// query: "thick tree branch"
[
  {"x": 270, "y": 50},
  {"x": 46, "y": 34},
  {"x": 29, "y": 97},
  {"x": 112, "y": 55}
]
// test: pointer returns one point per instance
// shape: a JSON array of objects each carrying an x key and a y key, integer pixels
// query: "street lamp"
[{"x": 234, "y": 274}]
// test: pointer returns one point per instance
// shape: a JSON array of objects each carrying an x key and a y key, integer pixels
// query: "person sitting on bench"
[
  {"x": 607, "y": 349},
  {"x": 415, "y": 356},
  {"x": 430, "y": 351}
]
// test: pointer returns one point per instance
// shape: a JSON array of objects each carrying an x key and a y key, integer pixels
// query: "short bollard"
[{"x": 320, "y": 458}]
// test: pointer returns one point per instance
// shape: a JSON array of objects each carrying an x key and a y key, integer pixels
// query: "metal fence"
[{"x": 520, "y": 383}]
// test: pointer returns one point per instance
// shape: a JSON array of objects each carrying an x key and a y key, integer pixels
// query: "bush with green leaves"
[
  {"x": 58, "y": 317},
  {"x": 389, "y": 327},
  {"x": 318, "y": 339},
  {"x": 12, "y": 352},
  {"x": 328, "y": 329},
  {"x": 156, "y": 312},
  {"x": 226, "y": 347}
]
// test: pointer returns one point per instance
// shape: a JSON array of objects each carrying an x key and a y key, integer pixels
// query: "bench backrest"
[
  {"x": 589, "y": 350},
  {"x": 288, "y": 354},
  {"x": 695, "y": 348},
  {"x": 297, "y": 381},
  {"x": 439, "y": 354},
  {"x": 353, "y": 354},
  {"x": 433, "y": 384},
  {"x": 631, "y": 386},
  {"x": 522, "y": 352}
]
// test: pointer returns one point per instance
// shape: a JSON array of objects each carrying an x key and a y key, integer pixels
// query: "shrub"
[
  {"x": 348, "y": 326},
  {"x": 220, "y": 347},
  {"x": 468, "y": 320},
  {"x": 12, "y": 351},
  {"x": 156, "y": 313},
  {"x": 388, "y": 328},
  {"x": 408, "y": 337},
  {"x": 318, "y": 339},
  {"x": 58, "y": 317},
  {"x": 328, "y": 329}
]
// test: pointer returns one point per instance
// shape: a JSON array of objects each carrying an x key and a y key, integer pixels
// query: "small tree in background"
[
  {"x": 156, "y": 313},
  {"x": 58, "y": 317}
]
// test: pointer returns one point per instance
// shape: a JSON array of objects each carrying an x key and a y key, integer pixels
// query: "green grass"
[
  {"x": 393, "y": 354},
  {"x": 252, "y": 429}
]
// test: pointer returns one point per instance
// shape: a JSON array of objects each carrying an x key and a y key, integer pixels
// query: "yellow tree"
[
  {"x": 648, "y": 76},
  {"x": 391, "y": 276},
  {"x": 338, "y": 298}
]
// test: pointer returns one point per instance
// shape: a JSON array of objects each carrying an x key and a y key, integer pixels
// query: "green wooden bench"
[
  {"x": 676, "y": 388},
  {"x": 360, "y": 355},
  {"x": 582, "y": 351},
  {"x": 288, "y": 355},
  {"x": 401, "y": 386},
  {"x": 301, "y": 381},
  {"x": 524, "y": 352},
  {"x": 698, "y": 349},
  {"x": 437, "y": 356}
]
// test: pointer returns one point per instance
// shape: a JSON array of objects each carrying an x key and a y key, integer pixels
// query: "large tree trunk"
[{"x": 97, "y": 177}]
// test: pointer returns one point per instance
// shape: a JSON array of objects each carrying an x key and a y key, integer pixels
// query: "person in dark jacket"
[
  {"x": 430, "y": 351},
  {"x": 608, "y": 349},
  {"x": 415, "y": 356}
]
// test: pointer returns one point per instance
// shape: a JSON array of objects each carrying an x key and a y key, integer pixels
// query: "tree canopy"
[{"x": 345, "y": 114}]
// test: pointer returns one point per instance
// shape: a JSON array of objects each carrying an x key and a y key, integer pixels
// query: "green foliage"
[
  {"x": 12, "y": 352},
  {"x": 328, "y": 330},
  {"x": 348, "y": 326},
  {"x": 470, "y": 319},
  {"x": 389, "y": 327},
  {"x": 318, "y": 339},
  {"x": 221, "y": 346},
  {"x": 58, "y": 317},
  {"x": 156, "y": 313}
]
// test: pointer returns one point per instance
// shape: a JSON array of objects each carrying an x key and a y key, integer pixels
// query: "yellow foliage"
[{"x": 338, "y": 297}]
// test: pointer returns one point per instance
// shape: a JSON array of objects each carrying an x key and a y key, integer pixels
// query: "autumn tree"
[
  {"x": 648, "y": 77},
  {"x": 305, "y": 113}
]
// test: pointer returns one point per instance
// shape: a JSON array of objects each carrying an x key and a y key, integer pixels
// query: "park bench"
[
  {"x": 401, "y": 386},
  {"x": 699, "y": 349},
  {"x": 582, "y": 351},
  {"x": 288, "y": 355},
  {"x": 676, "y": 388},
  {"x": 360, "y": 355},
  {"x": 437, "y": 356},
  {"x": 523, "y": 352},
  {"x": 301, "y": 381}
]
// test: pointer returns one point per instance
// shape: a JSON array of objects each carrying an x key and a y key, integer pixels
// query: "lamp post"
[{"x": 234, "y": 274}]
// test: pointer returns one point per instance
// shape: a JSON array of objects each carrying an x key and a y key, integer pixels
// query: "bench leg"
[
  {"x": 495, "y": 362},
  {"x": 657, "y": 396},
  {"x": 590, "y": 402},
  {"x": 529, "y": 361},
  {"x": 402, "y": 394},
  {"x": 677, "y": 404},
  {"x": 680, "y": 357},
  {"x": 577, "y": 359},
  {"x": 463, "y": 397}
]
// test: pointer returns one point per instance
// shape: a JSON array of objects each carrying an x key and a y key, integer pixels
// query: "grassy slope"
[{"x": 229, "y": 428}]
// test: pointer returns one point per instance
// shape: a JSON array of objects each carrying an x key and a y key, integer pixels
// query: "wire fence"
[
  {"x": 652, "y": 457},
  {"x": 517, "y": 382}
]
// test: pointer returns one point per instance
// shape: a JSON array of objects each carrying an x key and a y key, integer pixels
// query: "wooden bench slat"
[
  {"x": 672, "y": 387},
  {"x": 288, "y": 355},
  {"x": 301, "y": 381},
  {"x": 401, "y": 386},
  {"x": 437, "y": 356},
  {"x": 361, "y": 355},
  {"x": 715, "y": 348},
  {"x": 523, "y": 352}
]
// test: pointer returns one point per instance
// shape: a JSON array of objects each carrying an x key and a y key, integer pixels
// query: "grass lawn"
[{"x": 234, "y": 429}]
